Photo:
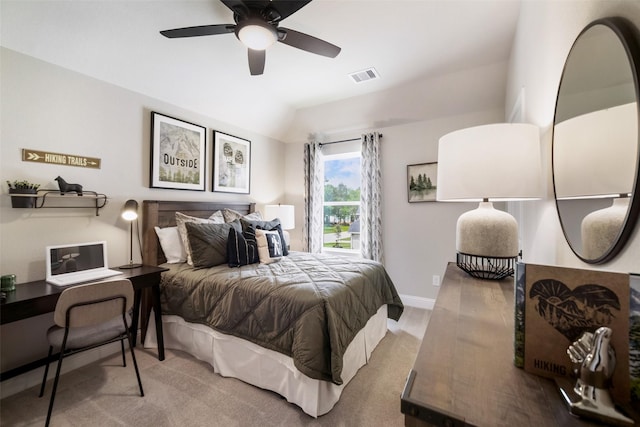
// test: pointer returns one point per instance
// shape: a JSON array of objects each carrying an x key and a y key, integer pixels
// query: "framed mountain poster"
[{"x": 178, "y": 154}]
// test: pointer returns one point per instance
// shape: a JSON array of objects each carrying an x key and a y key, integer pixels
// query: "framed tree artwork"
[
  {"x": 421, "y": 182},
  {"x": 178, "y": 154},
  {"x": 231, "y": 164}
]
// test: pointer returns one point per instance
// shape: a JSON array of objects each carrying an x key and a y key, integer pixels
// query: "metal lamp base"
[
  {"x": 485, "y": 267},
  {"x": 487, "y": 242},
  {"x": 129, "y": 266}
]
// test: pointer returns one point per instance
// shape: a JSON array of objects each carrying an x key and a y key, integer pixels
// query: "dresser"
[{"x": 464, "y": 372}]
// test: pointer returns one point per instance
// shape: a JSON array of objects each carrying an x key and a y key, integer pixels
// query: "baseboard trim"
[{"x": 418, "y": 302}]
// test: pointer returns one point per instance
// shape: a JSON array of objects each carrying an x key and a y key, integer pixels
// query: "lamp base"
[
  {"x": 600, "y": 229},
  {"x": 486, "y": 267},
  {"x": 129, "y": 266}
]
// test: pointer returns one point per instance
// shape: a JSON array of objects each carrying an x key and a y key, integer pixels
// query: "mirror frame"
[{"x": 629, "y": 37}]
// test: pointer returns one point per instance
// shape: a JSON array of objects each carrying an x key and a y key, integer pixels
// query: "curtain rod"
[{"x": 343, "y": 140}]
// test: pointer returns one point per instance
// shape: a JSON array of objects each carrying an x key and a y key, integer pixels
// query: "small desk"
[{"x": 36, "y": 298}]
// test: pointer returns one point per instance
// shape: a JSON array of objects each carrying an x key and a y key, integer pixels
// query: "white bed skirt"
[{"x": 268, "y": 369}]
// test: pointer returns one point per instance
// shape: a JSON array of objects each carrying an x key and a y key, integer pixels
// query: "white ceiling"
[{"x": 118, "y": 42}]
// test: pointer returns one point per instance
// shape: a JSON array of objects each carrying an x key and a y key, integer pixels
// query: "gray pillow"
[
  {"x": 208, "y": 243},
  {"x": 231, "y": 215}
]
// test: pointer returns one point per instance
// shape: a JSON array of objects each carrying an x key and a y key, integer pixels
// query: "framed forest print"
[
  {"x": 421, "y": 182},
  {"x": 178, "y": 154},
  {"x": 231, "y": 164}
]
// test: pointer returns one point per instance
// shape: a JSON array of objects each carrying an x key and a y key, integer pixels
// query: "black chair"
[{"x": 86, "y": 317}]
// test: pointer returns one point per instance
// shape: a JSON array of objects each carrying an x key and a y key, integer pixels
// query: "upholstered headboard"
[{"x": 163, "y": 214}]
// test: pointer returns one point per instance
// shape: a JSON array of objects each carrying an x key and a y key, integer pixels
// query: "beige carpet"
[{"x": 182, "y": 391}]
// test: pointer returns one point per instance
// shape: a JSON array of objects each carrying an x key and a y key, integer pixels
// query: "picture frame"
[
  {"x": 231, "y": 164},
  {"x": 178, "y": 154},
  {"x": 422, "y": 182}
]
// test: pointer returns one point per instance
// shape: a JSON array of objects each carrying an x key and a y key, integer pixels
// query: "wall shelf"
[{"x": 45, "y": 199}]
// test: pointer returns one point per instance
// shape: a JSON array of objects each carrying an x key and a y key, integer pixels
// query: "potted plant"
[{"x": 23, "y": 187}]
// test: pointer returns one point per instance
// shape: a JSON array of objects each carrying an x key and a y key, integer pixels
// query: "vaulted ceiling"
[{"x": 119, "y": 42}]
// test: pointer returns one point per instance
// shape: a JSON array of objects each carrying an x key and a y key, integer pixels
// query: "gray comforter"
[{"x": 307, "y": 306}]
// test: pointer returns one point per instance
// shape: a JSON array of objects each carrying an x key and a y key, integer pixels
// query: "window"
[{"x": 341, "y": 232}]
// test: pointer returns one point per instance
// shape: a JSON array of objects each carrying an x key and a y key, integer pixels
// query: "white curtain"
[
  {"x": 313, "y": 195},
  {"x": 371, "y": 198}
]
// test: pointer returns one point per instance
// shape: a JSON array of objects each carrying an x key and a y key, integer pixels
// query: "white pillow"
[
  {"x": 171, "y": 244},
  {"x": 181, "y": 219},
  {"x": 269, "y": 246}
]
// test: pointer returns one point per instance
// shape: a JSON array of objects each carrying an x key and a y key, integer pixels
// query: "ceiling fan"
[{"x": 257, "y": 27}]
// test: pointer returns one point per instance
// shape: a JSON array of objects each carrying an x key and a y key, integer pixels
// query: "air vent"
[{"x": 364, "y": 75}]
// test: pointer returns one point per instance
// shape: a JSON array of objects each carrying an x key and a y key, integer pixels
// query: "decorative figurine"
[
  {"x": 594, "y": 361},
  {"x": 68, "y": 188}
]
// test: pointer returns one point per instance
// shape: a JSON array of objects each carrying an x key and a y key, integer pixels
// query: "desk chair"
[{"x": 86, "y": 317}]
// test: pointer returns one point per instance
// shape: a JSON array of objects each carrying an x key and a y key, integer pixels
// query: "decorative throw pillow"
[
  {"x": 273, "y": 225},
  {"x": 242, "y": 248},
  {"x": 208, "y": 243},
  {"x": 231, "y": 215},
  {"x": 269, "y": 246},
  {"x": 236, "y": 224},
  {"x": 182, "y": 219},
  {"x": 171, "y": 244}
]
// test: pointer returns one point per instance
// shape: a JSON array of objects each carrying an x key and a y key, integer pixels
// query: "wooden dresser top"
[{"x": 464, "y": 372}]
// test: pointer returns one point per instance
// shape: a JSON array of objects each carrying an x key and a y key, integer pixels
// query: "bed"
[{"x": 301, "y": 327}]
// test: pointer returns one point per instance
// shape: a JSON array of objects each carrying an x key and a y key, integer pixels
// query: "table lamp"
[
  {"x": 591, "y": 160},
  {"x": 130, "y": 213},
  {"x": 497, "y": 162},
  {"x": 286, "y": 214}
]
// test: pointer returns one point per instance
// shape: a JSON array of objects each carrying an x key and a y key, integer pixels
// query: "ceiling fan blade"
[
  {"x": 256, "y": 61},
  {"x": 309, "y": 43},
  {"x": 202, "y": 30},
  {"x": 287, "y": 8}
]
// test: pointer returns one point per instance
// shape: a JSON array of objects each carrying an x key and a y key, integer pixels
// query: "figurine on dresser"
[{"x": 594, "y": 361}]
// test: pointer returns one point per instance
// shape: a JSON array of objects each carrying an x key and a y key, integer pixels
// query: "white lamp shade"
[
  {"x": 595, "y": 154},
  {"x": 497, "y": 162},
  {"x": 286, "y": 214}
]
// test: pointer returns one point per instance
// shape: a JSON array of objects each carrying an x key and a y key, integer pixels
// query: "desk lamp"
[
  {"x": 497, "y": 162},
  {"x": 130, "y": 213}
]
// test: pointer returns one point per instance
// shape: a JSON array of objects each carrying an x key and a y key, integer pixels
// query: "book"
[
  {"x": 634, "y": 337},
  {"x": 554, "y": 306}
]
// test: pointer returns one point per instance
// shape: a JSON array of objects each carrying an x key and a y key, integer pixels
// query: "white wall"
[
  {"x": 419, "y": 238},
  {"x": 49, "y": 108},
  {"x": 546, "y": 32}
]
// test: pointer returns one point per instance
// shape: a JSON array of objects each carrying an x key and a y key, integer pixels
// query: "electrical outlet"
[{"x": 436, "y": 280}]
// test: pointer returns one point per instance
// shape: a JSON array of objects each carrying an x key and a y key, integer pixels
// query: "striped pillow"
[{"x": 242, "y": 248}]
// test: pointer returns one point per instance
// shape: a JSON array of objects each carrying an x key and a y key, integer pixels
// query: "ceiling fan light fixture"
[{"x": 256, "y": 34}]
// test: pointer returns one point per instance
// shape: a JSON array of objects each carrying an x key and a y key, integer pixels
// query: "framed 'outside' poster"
[{"x": 178, "y": 154}]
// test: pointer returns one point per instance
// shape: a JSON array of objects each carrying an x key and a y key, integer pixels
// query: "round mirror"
[{"x": 595, "y": 154}]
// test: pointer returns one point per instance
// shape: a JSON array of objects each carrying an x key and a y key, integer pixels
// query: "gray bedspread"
[{"x": 307, "y": 306}]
